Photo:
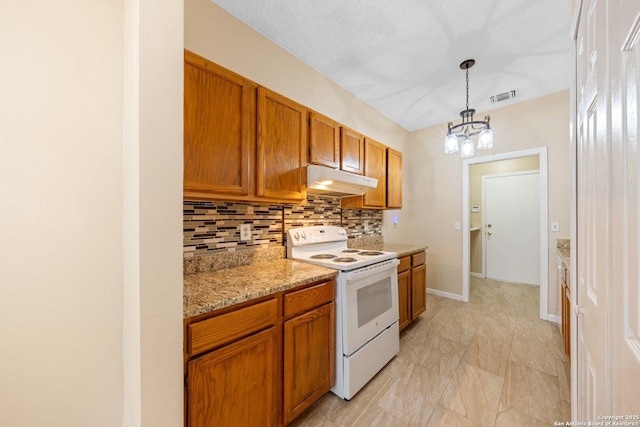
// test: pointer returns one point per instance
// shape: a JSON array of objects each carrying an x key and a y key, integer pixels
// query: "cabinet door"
[
  {"x": 394, "y": 178},
  {"x": 235, "y": 385},
  {"x": 375, "y": 166},
  {"x": 309, "y": 359},
  {"x": 404, "y": 298},
  {"x": 324, "y": 141},
  {"x": 282, "y": 147},
  {"x": 217, "y": 128},
  {"x": 418, "y": 291},
  {"x": 351, "y": 151}
]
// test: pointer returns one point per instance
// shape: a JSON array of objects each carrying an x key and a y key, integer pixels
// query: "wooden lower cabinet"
[
  {"x": 412, "y": 288},
  {"x": 261, "y": 363},
  {"x": 235, "y": 385},
  {"x": 309, "y": 359},
  {"x": 404, "y": 299},
  {"x": 418, "y": 290}
]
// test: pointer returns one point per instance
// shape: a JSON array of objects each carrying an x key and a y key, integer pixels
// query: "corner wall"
[
  {"x": 61, "y": 213},
  {"x": 437, "y": 190}
]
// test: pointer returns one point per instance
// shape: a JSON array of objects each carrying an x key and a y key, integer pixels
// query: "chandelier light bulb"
[
  {"x": 485, "y": 139},
  {"x": 466, "y": 150},
  {"x": 451, "y": 144}
]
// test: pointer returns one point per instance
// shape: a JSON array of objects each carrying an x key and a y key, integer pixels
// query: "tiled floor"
[{"x": 489, "y": 362}]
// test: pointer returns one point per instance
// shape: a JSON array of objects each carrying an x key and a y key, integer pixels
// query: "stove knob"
[
  {"x": 304, "y": 235},
  {"x": 297, "y": 236}
]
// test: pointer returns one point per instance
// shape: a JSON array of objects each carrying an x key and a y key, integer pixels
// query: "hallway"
[{"x": 490, "y": 362}]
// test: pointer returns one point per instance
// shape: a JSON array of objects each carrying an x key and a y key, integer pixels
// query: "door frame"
[
  {"x": 544, "y": 220},
  {"x": 484, "y": 209}
]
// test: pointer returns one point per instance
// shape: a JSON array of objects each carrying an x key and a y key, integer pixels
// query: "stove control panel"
[{"x": 301, "y": 236}]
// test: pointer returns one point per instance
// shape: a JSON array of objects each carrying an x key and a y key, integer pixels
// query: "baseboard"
[
  {"x": 472, "y": 274},
  {"x": 553, "y": 318},
  {"x": 444, "y": 294}
]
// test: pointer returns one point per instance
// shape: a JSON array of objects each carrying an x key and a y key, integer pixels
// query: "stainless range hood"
[{"x": 333, "y": 182}]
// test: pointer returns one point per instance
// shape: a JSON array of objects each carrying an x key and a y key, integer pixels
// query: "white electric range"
[{"x": 367, "y": 333}]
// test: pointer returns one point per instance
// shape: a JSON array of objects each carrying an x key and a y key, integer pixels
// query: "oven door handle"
[{"x": 371, "y": 270}]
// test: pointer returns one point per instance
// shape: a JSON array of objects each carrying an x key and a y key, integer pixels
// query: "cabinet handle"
[{"x": 578, "y": 310}]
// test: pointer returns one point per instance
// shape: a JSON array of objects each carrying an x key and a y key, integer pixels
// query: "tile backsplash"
[{"x": 214, "y": 227}]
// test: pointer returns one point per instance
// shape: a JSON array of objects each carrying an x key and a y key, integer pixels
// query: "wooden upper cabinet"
[
  {"x": 324, "y": 141},
  {"x": 375, "y": 166},
  {"x": 351, "y": 151},
  {"x": 394, "y": 178},
  {"x": 282, "y": 147},
  {"x": 217, "y": 129}
]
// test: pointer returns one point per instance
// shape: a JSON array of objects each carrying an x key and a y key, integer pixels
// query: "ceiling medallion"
[{"x": 469, "y": 127}]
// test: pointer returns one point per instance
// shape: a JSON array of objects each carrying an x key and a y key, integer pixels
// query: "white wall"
[
  {"x": 436, "y": 192},
  {"x": 61, "y": 213},
  {"x": 217, "y": 35},
  {"x": 81, "y": 219}
]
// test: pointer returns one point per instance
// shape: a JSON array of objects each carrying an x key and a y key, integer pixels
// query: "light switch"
[
  {"x": 555, "y": 226},
  {"x": 457, "y": 225}
]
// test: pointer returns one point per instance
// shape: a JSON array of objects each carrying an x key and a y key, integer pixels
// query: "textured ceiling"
[{"x": 402, "y": 57}]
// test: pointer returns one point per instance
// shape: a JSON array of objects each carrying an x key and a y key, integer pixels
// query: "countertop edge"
[{"x": 243, "y": 294}]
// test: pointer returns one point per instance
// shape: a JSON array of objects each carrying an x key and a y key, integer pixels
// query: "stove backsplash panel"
[{"x": 214, "y": 227}]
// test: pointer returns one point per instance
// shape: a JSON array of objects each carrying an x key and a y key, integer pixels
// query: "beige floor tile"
[
  {"x": 459, "y": 328},
  {"x": 443, "y": 417},
  {"x": 510, "y": 417},
  {"x": 497, "y": 328},
  {"x": 442, "y": 355},
  {"x": 413, "y": 397},
  {"x": 313, "y": 417},
  {"x": 376, "y": 416},
  {"x": 474, "y": 393},
  {"x": 344, "y": 413},
  {"x": 564, "y": 382},
  {"x": 489, "y": 354},
  {"x": 536, "y": 347},
  {"x": 533, "y": 392}
]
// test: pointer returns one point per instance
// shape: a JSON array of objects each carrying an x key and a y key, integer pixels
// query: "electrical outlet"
[
  {"x": 457, "y": 225},
  {"x": 245, "y": 232},
  {"x": 555, "y": 226},
  {"x": 366, "y": 225}
]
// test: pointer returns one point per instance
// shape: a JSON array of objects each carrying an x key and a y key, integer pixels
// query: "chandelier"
[{"x": 469, "y": 127}]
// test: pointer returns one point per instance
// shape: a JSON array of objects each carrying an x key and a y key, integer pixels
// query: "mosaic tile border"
[{"x": 213, "y": 228}]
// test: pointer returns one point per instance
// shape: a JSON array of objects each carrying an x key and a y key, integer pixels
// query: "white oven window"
[{"x": 374, "y": 300}]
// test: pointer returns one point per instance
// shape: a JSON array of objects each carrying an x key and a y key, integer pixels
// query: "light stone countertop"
[
  {"x": 205, "y": 292},
  {"x": 565, "y": 254}
]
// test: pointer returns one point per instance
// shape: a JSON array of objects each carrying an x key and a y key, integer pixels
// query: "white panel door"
[
  {"x": 592, "y": 285},
  {"x": 625, "y": 103},
  {"x": 512, "y": 227}
]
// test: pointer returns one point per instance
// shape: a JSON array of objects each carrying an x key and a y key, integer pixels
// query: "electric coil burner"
[{"x": 367, "y": 333}]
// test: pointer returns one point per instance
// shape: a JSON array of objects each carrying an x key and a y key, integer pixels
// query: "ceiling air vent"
[{"x": 503, "y": 96}]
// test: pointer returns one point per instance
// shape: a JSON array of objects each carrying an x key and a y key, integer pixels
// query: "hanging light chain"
[{"x": 467, "y": 88}]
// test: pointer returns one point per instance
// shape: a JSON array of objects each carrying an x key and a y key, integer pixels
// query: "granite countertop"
[
  {"x": 401, "y": 248},
  {"x": 565, "y": 254},
  {"x": 205, "y": 292}
]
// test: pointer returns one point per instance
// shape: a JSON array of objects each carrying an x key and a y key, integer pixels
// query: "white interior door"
[
  {"x": 625, "y": 288},
  {"x": 591, "y": 290},
  {"x": 511, "y": 233}
]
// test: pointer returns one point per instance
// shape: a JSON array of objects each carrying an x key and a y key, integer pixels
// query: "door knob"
[{"x": 489, "y": 233}]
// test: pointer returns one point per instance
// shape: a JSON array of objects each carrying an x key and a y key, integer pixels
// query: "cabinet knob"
[{"x": 578, "y": 310}]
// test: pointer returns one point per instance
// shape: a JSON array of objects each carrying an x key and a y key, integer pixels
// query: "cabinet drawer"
[
  {"x": 218, "y": 330},
  {"x": 418, "y": 259},
  {"x": 405, "y": 264},
  {"x": 308, "y": 298}
]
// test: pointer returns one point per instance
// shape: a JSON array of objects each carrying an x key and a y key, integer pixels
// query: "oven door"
[{"x": 371, "y": 303}]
